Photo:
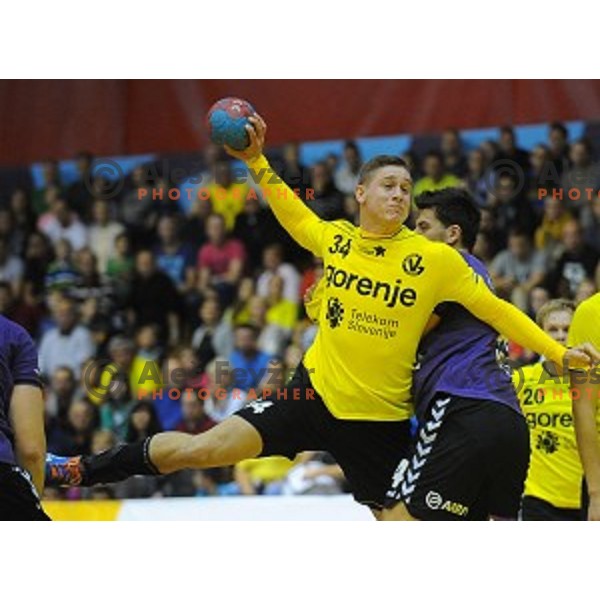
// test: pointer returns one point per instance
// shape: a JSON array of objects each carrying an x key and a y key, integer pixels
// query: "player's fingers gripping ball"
[{"x": 227, "y": 120}]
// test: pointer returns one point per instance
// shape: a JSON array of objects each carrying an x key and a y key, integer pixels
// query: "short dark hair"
[
  {"x": 558, "y": 126},
  {"x": 454, "y": 206},
  {"x": 383, "y": 160}
]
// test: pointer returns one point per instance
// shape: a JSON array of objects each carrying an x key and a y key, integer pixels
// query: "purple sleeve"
[{"x": 25, "y": 361}]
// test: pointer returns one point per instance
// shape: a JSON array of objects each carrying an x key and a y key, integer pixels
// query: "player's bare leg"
[{"x": 225, "y": 444}]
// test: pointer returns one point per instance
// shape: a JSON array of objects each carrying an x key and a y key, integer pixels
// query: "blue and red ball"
[{"x": 227, "y": 119}]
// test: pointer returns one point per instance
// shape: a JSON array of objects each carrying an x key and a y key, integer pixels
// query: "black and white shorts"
[
  {"x": 18, "y": 498},
  {"x": 468, "y": 461},
  {"x": 367, "y": 451}
]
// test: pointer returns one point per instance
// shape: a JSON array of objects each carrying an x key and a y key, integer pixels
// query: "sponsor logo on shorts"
[
  {"x": 259, "y": 406},
  {"x": 435, "y": 501}
]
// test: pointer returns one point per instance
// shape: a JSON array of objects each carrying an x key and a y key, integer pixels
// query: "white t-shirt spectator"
[
  {"x": 291, "y": 282},
  {"x": 102, "y": 242},
  {"x": 11, "y": 270},
  {"x": 507, "y": 265},
  {"x": 65, "y": 350},
  {"x": 75, "y": 233}
]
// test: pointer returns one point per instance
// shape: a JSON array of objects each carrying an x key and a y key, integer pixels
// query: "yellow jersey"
[
  {"x": 585, "y": 327},
  {"x": 555, "y": 471},
  {"x": 378, "y": 295}
]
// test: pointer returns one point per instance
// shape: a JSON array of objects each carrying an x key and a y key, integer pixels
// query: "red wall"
[{"x": 54, "y": 118}]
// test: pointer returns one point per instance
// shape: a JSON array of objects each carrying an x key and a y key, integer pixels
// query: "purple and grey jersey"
[
  {"x": 458, "y": 357},
  {"x": 18, "y": 364}
]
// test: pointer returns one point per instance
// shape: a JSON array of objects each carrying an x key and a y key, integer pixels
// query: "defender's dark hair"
[
  {"x": 454, "y": 206},
  {"x": 383, "y": 160}
]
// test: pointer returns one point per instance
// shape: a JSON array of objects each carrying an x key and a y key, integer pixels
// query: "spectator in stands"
[
  {"x": 435, "y": 176},
  {"x": 68, "y": 344},
  {"x": 346, "y": 176},
  {"x": 22, "y": 211},
  {"x": 63, "y": 223},
  {"x": 61, "y": 393},
  {"x": 92, "y": 289},
  {"x": 273, "y": 265},
  {"x": 543, "y": 176},
  {"x": 115, "y": 394},
  {"x": 577, "y": 262},
  {"x": 453, "y": 154},
  {"x": 50, "y": 180},
  {"x": 38, "y": 255},
  {"x": 293, "y": 172},
  {"x": 558, "y": 141},
  {"x": 145, "y": 376},
  {"x": 587, "y": 288},
  {"x": 490, "y": 150},
  {"x": 194, "y": 418},
  {"x": 549, "y": 234},
  {"x": 247, "y": 361},
  {"x": 272, "y": 337},
  {"x": 173, "y": 256},
  {"x": 583, "y": 177},
  {"x": 74, "y": 436},
  {"x": 14, "y": 236},
  {"x": 103, "y": 232},
  {"x": 254, "y": 227},
  {"x": 590, "y": 221},
  {"x": 509, "y": 201},
  {"x": 121, "y": 266},
  {"x": 220, "y": 261},
  {"x": 227, "y": 194},
  {"x": 137, "y": 208},
  {"x": 326, "y": 201},
  {"x": 11, "y": 268},
  {"x": 79, "y": 192},
  {"x": 281, "y": 311},
  {"x": 517, "y": 270},
  {"x": 478, "y": 179},
  {"x": 153, "y": 299},
  {"x": 509, "y": 151},
  {"x": 214, "y": 336},
  {"x": 193, "y": 230},
  {"x": 142, "y": 422},
  {"x": 239, "y": 312},
  {"x": 62, "y": 273},
  {"x": 538, "y": 296},
  {"x": 224, "y": 399}
]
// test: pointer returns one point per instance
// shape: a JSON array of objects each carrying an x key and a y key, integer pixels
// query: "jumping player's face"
[
  {"x": 385, "y": 197},
  {"x": 557, "y": 324}
]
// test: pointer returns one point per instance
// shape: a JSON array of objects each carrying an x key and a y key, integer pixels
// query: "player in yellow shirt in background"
[
  {"x": 585, "y": 390},
  {"x": 553, "y": 485}
]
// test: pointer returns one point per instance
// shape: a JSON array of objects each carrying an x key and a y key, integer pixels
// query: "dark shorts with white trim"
[
  {"x": 18, "y": 498},
  {"x": 367, "y": 451},
  {"x": 469, "y": 461}
]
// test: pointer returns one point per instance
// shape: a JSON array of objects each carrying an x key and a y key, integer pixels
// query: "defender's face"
[
  {"x": 430, "y": 226},
  {"x": 386, "y": 194}
]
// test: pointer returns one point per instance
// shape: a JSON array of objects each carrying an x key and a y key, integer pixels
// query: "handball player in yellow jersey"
[
  {"x": 350, "y": 396},
  {"x": 553, "y": 485},
  {"x": 585, "y": 390}
]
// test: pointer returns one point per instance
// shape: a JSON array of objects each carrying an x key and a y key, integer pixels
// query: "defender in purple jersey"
[
  {"x": 22, "y": 438},
  {"x": 470, "y": 456}
]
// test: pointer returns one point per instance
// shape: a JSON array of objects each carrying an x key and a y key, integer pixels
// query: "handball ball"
[{"x": 227, "y": 119}]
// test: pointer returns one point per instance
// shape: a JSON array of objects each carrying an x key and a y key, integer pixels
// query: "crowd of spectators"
[{"x": 148, "y": 318}]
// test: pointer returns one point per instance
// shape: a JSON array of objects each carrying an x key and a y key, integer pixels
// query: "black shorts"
[
  {"x": 468, "y": 461},
  {"x": 536, "y": 509},
  {"x": 367, "y": 451},
  {"x": 18, "y": 499}
]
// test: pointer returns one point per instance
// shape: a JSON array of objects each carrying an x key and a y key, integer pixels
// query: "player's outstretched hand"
[
  {"x": 582, "y": 356},
  {"x": 257, "y": 131}
]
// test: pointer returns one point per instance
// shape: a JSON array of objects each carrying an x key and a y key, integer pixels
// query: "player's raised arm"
[
  {"x": 302, "y": 224},
  {"x": 458, "y": 283}
]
